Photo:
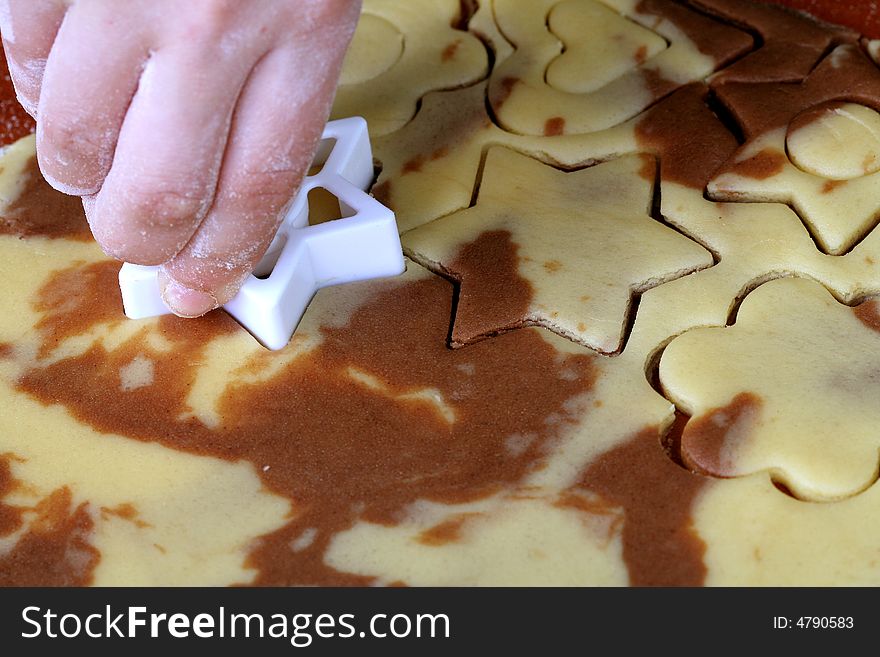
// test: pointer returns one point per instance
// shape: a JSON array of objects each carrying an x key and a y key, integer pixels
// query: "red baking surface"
[
  {"x": 15, "y": 123},
  {"x": 862, "y": 15}
]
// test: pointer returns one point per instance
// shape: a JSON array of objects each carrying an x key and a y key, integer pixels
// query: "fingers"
[
  {"x": 168, "y": 153},
  {"x": 29, "y": 28},
  {"x": 90, "y": 78},
  {"x": 277, "y": 123}
]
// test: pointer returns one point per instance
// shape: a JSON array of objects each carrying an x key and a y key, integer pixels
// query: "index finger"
[{"x": 277, "y": 123}]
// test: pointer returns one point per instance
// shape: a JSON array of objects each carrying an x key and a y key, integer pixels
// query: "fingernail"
[
  {"x": 186, "y": 302},
  {"x": 226, "y": 293}
]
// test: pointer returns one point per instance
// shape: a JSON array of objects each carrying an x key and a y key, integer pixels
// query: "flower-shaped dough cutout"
[
  {"x": 791, "y": 388},
  {"x": 629, "y": 68},
  {"x": 387, "y": 69},
  {"x": 788, "y": 125},
  {"x": 582, "y": 250}
]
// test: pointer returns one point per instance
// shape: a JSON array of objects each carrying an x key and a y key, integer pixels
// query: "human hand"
[{"x": 186, "y": 127}]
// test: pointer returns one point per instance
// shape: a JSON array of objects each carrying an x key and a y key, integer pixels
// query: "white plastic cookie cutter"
[{"x": 302, "y": 259}]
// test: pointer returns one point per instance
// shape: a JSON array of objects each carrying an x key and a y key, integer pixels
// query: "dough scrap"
[{"x": 400, "y": 52}]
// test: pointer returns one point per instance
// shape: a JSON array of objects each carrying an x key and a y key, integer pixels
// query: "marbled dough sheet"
[{"x": 637, "y": 342}]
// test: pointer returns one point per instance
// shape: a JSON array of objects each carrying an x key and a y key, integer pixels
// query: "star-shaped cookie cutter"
[{"x": 302, "y": 259}]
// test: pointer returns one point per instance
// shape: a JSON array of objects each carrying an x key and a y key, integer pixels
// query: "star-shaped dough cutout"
[
  {"x": 583, "y": 242},
  {"x": 838, "y": 210},
  {"x": 791, "y": 389}
]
